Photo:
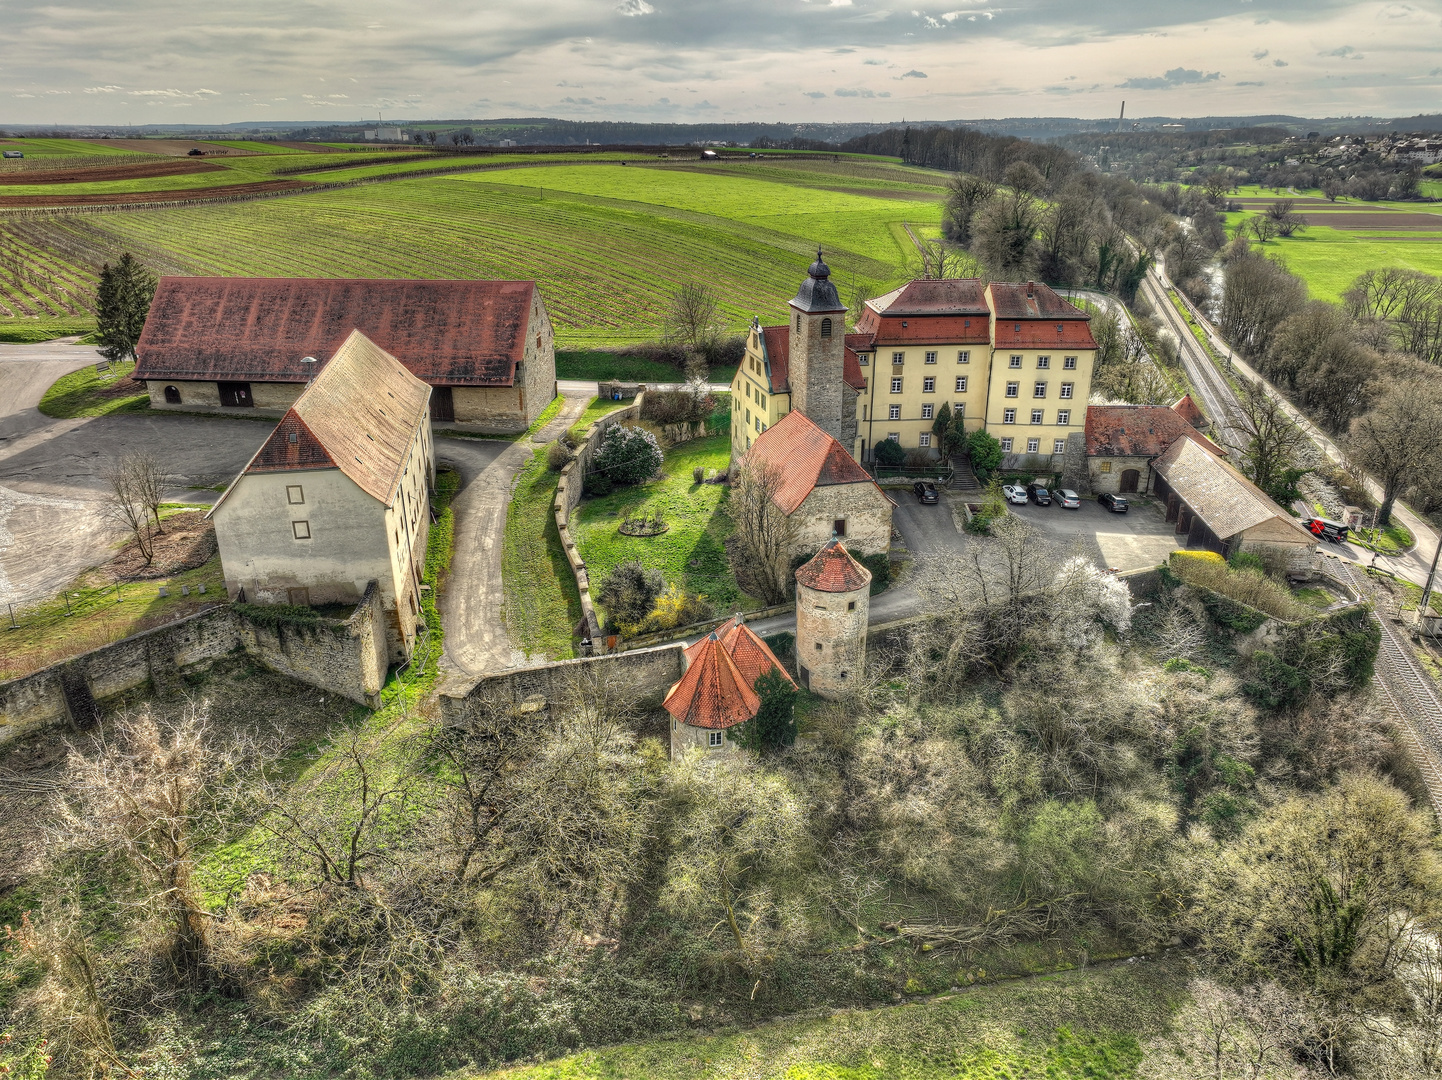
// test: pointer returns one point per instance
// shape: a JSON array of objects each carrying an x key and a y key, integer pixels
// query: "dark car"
[
  {"x": 1334, "y": 531},
  {"x": 925, "y": 492},
  {"x": 1117, "y": 504},
  {"x": 1038, "y": 494},
  {"x": 1068, "y": 498}
]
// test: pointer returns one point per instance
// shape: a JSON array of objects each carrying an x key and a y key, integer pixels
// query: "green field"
[{"x": 50, "y": 148}]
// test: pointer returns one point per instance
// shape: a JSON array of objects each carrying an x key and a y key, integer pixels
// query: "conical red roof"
[
  {"x": 713, "y": 693},
  {"x": 834, "y": 570},
  {"x": 752, "y": 656}
]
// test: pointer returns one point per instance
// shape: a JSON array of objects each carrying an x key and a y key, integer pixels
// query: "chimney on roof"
[{"x": 1030, "y": 288}]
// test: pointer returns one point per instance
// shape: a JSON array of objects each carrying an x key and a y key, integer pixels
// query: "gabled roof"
[
  {"x": 1188, "y": 410},
  {"x": 448, "y": 333},
  {"x": 807, "y": 457},
  {"x": 776, "y": 347},
  {"x": 1226, "y": 501},
  {"x": 1138, "y": 431},
  {"x": 360, "y": 416},
  {"x": 752, "y": 656},
  {"x": 1032, "y": 300},
  {"x": 833, "y": 570},
  {"x": 712, "y": 693},
  {"x": 952, "y": 296}
]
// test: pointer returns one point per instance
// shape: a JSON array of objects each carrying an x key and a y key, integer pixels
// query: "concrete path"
[
  {"x": 474, "y": 600},
  {"x": 52, "y": 525}
]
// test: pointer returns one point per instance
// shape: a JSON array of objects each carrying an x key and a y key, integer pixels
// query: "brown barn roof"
[
  {"x": 1222, "y": 497},
  {"x": 776, "y": 343},
  {"x": 833, "y": 570},
  {"x": 712, "y": 693},
  {"x": 952, "y": 296},
  {"x": 360, "y": 416},
  {"x": 1138, "y": 431},
  {"x": 1032, "y": 300},
  {"x": 1189, "y": 411},
  {"x": 448, "y": 333},
  {"x": 807, "y": 457}
]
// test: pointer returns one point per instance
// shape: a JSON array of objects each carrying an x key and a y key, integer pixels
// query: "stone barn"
[
  {"x": 336, "y": 501},
  {"x": 1122, "y": 441},
  {"x": 824, "y": 491},
  {"x": 218, "y": 344},
  {"x": 1217, "y": 508}
]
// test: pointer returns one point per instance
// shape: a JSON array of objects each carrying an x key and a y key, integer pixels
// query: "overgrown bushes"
[
  {"x": 1246, "y": 586},
  {"x": 627, "y": 455}
]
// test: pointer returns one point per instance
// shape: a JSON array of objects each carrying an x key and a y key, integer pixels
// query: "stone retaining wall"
[{"x": 344, "y": 658}]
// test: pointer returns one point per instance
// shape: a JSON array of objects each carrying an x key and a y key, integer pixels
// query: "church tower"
[{"x": 815, "y": 356}]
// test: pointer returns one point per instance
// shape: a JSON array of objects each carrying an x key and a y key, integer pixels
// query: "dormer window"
[{"x": 825, "y": 327}]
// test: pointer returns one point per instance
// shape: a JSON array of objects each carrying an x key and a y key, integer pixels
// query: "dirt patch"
[
  {"x": 311, "y": 148},
  {"x": 173, "y": 147},
  {"x": 886, "y": 193},
  {"x": 91, "y": 174},
  {"x": 1379, "y": 219},
  {"x": 187, "y": 542},
  {"x": 273, "y": 187}
]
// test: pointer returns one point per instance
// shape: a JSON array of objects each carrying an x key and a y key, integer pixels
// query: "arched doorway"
[
  {"x": 172, "y": 395},
  {"x": 1130, "y": 479}
]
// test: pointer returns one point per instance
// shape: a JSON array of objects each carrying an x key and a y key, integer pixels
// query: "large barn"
[{"x": 485, "y": 348}]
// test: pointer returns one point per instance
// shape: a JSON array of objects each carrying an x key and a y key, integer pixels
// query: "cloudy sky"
[{"x": 179, "y": 61}]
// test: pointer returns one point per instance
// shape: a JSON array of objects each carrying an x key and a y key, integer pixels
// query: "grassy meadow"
[{"x": 608, "y": 243}]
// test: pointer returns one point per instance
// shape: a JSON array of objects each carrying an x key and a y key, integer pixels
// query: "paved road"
[
  {"x": 51, "y": 522},
  {"x": 476, "y": 640}
]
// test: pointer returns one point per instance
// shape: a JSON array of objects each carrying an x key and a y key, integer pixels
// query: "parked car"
[
  {"x": 1334, "y": 531},
  {"x": 1117, "y": 504},
  {"x": 1014, "y": 493},
  {"x": 1068, "y": 498},
  {"x": 1038, "y": 494},
  {"x": 925, "y": 492}
]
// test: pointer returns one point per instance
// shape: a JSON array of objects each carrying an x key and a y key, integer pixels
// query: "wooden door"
[
  {"x": 443, "y": 404},
  {"x": 236, "y": 395},
  {"x": 1130, "y": 479}
]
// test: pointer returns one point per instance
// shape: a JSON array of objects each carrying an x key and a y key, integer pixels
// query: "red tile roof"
[
  {"x": 807, "y": 457},
  {"x": 833, "y": 570},
  {"x": 926, "y": 296},
  {"x": 448, "y": 333},
  {"x": 1033, "y": 334},
  {"x": 712, "y": 693},
  {"x": 360, "y": 416},
  {"x": 926, "y": 329},
  {"x": 1032, "y": 300},
  {"x": 1138, "y": 431},
  {"x": 776, "y": 340},
  {"x": 1188, "y": 410},
  {"x": 752, "y": 656}
]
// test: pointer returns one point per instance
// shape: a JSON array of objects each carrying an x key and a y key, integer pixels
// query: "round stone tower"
[{"x": 833, "y": 597}]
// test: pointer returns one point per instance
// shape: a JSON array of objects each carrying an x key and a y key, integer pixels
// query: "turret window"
[{"x": 825, "y": 327}]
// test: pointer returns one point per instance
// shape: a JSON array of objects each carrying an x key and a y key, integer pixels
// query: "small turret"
[{"x": 833, "y": 600}]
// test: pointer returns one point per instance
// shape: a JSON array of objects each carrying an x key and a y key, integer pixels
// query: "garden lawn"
[
  {"x": 542, "y": 601},
  {"x": 32, "y": 331},
  {"x": 1092, "y": 1025},
  {"x": 598, "y": 408},
  {"x": 691, "y": 553},
  {"x": 84, "y": 393}
]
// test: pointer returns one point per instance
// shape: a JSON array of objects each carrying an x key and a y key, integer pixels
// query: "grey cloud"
[
  {"x": 859, "y": 91},
  {"x": 1178, "y": 76},
  {"x": 914, "y": 74},
  {"x": 1346, "y": 52},
  {"x": 1261, "y": 54},
  {"x": 577, "y": 101},
  {"x": 1279, "y": 63},
  {"x": 1434, "y": 73},
  {"x": 632, "y": 8},
  {"x": 814, "y": 94},
  {"x": 101, "y": 89},
  {"x": 1251, "y": 84},
  {"x": 874, "y": 63}
]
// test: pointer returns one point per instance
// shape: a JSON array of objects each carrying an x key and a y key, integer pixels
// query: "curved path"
[{"x": 472, "y": 607}]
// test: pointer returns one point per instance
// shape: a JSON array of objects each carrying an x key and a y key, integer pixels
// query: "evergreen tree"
[
  {"x": 122, "y": 301},
  {"x": 774, "y": 725}
]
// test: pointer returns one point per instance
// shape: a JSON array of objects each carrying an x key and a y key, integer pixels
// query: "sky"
[{"x": 327, "y": 61}]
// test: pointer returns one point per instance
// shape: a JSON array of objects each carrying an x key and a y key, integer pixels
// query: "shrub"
[
  {"x": 774, "y": 725},
  {"x": 985, "y": 453},
  {"x": 558, "y": 456},
  {"x": 698, "y": 474},
  {"x": 628, "y": 455},
  {"x": 782, "y": 644},
  {"x": 692, "y": 404},
  {"x": 676, "y": 607},
  {"x": 1248, "y": 587},
  {"x": 1246, "y": 560},
  {"x": 880, "y": 567},
  {"x": 629, "y": 593},
  {"x": 596, "y": 485},
  {"x": 889, "y": 452}
]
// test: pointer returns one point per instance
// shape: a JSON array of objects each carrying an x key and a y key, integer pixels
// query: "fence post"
[
  {"x": 68, "y": 612},
  {"x": 12, "y": 625}
]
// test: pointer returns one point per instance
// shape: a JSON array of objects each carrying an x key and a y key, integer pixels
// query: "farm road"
[
  {"x": 51, "y": 525},
  {"x": 473, "y": 603}
]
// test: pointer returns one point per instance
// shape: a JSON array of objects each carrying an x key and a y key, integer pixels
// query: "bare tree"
[
  {"x": 1287, "y": 221},
  {"x": 1397, "y": 440},
  {"x": 150, "y": 799},
  {"x": 765, "y": 535},
  {"x": 1273, "y": 440},
  {"x": 968, "y": 194},
  {"x": 1264, "y": 228},
  {"x": 1006, "y": 233},
  {"x": 126, "y": 504},
  {"x": 148, "y": 480},
  {"x": 692, "y": 323}
]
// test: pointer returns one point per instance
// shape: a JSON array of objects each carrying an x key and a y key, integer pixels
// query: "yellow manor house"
[{"x": 1015, "y": 359}]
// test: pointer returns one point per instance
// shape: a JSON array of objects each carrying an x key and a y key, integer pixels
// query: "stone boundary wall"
[
  {"x": 569, "y": 490},
  {"x": 347, "y": 658},
  {"x": 652, "y": 671}
]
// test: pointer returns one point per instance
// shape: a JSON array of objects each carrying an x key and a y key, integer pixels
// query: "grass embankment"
[
  {"x": 1393, "y": 539},
  {"x": 34, "y": 331},
  {"x": 1094, "y": 1025},
  {"x": 98, "y": 614},
  {"x": 691, "y": 553},
  {"x": 598, "y": 408},
  {"x": 542, "y": 601},
  {"x": 84, "y": 393}
]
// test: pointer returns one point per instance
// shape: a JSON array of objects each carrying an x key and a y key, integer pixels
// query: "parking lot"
[{"x": 1136, "y": 540}]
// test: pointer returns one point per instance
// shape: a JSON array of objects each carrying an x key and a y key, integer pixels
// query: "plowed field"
[
  {"x": 271, "y": 187},
  {"x": 94, "y": 174}
]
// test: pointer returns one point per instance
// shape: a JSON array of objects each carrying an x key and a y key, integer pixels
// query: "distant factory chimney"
[{"x": 1122, "y": 118}]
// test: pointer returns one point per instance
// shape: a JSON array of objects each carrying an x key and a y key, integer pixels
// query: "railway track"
[{"x": 1404, "y": 688}]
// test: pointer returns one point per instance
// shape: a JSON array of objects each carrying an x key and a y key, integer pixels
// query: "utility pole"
[{"x": 1431, "y": 577}]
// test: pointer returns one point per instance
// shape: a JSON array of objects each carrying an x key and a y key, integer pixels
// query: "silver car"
[{"x": 1068, "y": 498}]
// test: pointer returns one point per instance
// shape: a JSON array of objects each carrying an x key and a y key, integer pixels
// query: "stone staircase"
[{"x": 962, "y": 478}]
